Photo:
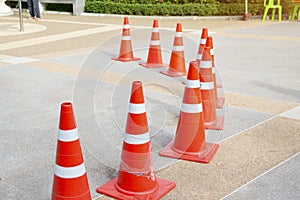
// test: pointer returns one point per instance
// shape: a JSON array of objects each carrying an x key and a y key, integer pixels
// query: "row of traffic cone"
[
  {"x": 136, "y": 178},
  {"x": 177, "y": 65}
]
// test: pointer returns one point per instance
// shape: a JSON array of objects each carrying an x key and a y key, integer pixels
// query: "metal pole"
[
  {"x": 246, "y": 6},
  {"x": 21, "y": 16}
]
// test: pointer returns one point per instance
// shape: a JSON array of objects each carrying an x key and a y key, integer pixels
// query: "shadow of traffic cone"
[
  {"x": 211, "y": 120},
  {"x": 154, "y": 54},
  {"x": 219, "y": 100},
  {"x": 189, "y": 142},
  {"x": 136, "y": 178},
  {"x": 177, "y": 60},
  {"x": 70, "y": 179},
  {"x": 202, "y": 43},
  {"x": 126, "y": 53}
]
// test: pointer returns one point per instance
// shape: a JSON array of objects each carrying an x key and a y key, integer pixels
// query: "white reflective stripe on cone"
[
  {"x": 126, "y": 26},
  {"x": 177, "y": 48},
  {"x": 135, "y": 108},
  {"x": 213, "y": 70},
  {"x": 192, "y": 84},
  {"x": 155, "y": 30},
  {"x": 206, "y": 85},
  {"x": 136, "y": 139},
  {"x": 191, "y": 108},
  {"x": 126, "y": 37},
  {"x": 154, "y": 42},
  {"x": 205, "y": 64},
  {"x": 178, "y": 34},
  {"x": 69, "y": 172},
  {"x": 212, "y": 52},
  {"x": 199, "y": 56},
  {"x": 68, "y": 136},
  {"x": 203, "y": 41}
]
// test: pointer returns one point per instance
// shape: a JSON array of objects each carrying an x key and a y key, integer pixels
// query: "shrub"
[{"x": 161, "y": 9}]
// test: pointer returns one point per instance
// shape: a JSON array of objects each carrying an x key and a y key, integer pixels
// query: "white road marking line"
[
  {"x": 57, "y": 37},
  {"x": 261, "y": 175}
]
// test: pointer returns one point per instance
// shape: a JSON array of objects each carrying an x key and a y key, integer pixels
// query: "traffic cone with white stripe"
[
  {"x": 70, "y": 179},
  {"x": 219, "y": 100},
  {"x": 126, "y": 53},
  {"x": 211, "y": 120},
  {"x": 189, "y": 142},
  {"x": 177, "y": 60},
  {"x": 154, "y": 54},
  {"x": 202, "y": 43},
  {"x": 136, "y": 178}
]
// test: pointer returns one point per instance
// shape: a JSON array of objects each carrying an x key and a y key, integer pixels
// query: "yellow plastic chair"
[
  {"x": 294, "y": 10},
  {"x": 270, "y": 4}
]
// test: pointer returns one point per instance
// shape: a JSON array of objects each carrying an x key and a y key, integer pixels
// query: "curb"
[{"x": 229, "y": 18}]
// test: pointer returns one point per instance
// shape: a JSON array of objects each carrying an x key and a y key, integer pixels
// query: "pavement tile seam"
[
  {"x": 220, "y": 142},
  {"x": 293, "y": 113},
  {"x": 266, "y": 149},
  {"x": 3, "y": 64},
  {"x": 60, "y": 54},
  {"x": 56, "y": 37},
  {"x": 241, "y": 132},
  {"x": 266, "y": 172},
  {"x": 259, "y": 104},
  {"x": 262, "y": 37},
  {"x": 57, "y": 21},
  {"x": 19, "y": 60},
  {"x": 284, "y": 114},
  {"x": 68, "y": 69},
  {"x": 93, "y": 74}
]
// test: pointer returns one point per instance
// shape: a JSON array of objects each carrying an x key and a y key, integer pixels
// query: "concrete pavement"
[{"x": 67, "y": 58}]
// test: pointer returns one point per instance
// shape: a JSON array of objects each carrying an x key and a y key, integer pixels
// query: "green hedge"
[
  {"x": 156, "y": 1},
  {"x": 164, "y": 9},
  {"x": 151, "y": 9}
]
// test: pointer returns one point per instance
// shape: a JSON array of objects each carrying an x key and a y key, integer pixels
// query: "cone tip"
[
  {"x": 155, "y": 23},
  {"x": 66, "y": 107},
  {"x": 204, "y": 33},
  {"x": 193, "y": 73},
  {"x": 137, "y": 95},
  {"x": 209, "y": 42},
  {"x": 179, "y": 27},
  {"x": 67, "y": 119},
  {"x": 126, "y": 21},
  {"x": 137, "y": 83}
]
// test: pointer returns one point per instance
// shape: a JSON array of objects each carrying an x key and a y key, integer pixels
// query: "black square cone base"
[
  {"x": 109, "y": 189},
  {"x": 204, "y": 156}
]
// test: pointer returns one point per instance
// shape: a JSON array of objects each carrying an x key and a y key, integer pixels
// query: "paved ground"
[{"x": 68, "y": 58}]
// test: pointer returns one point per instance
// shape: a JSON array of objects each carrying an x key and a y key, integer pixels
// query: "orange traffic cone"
[
  {"x": 219, "y": 100},
  {"x": 177, "y": 60},
  {"x": 136, "y": 178},
  {"x": 189, "y": 142},
  {"x": 154, "y": 54},
  {"x": 70, "y": 179},
  {"x": 202, "y": 43},
  {"x": 126, "y": 54},
  {"x": 209, "y": 43},
  {"x": 211, "y": 120}
]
